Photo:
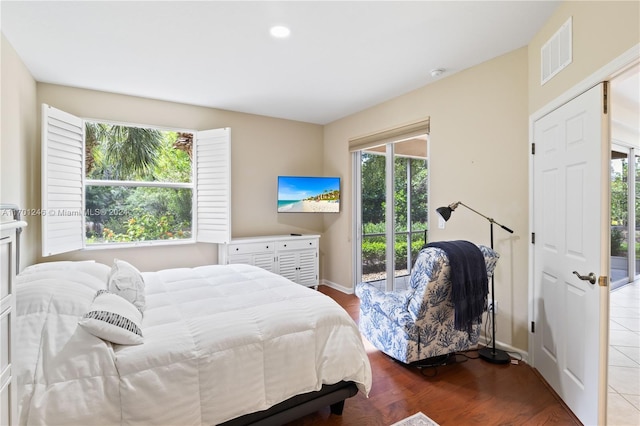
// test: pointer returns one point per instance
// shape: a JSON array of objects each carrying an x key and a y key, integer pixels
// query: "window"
[
  {"x": 106, "y": 183},
  {"x": 138, "y": 184}
]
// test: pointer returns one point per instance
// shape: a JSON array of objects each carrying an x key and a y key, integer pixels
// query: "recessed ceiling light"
[{"x": 280, "y": 31}]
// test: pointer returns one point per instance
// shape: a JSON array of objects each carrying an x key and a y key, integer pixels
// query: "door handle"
[{"x": 591, "y": 277}]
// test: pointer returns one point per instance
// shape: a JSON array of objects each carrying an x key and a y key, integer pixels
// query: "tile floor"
[
  {"x": 624, "y": 353},
  {"x": 624, "y": 356}
]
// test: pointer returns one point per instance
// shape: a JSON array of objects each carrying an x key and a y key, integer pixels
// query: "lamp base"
[{"x": 494, "y": 356}]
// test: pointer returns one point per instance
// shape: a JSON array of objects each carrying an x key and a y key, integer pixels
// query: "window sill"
[{"x": 109, "y": 246}]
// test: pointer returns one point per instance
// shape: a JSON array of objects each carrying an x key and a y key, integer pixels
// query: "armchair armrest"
[{"x": 392, "y": 304}]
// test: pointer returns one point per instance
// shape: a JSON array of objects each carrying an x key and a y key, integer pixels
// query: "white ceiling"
[{"x": 341, "y": 57}]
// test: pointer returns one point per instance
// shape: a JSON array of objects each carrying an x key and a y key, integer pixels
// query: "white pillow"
[
  {"x": 126, "y": 281},
  {"x": 114, "y": 319}
]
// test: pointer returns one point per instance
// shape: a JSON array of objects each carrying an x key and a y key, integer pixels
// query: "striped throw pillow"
[{"x": 114, "y": 319}]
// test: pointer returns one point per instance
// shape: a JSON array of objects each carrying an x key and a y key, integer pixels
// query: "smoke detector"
[{"x": 437, "y": 72}]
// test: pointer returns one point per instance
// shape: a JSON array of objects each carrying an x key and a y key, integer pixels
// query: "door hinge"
[
  {"x": 533, "y": 326},
  {"x": 605, "y": 93},
  {"x": 533, "y": 238},
  {"x": 533, "y": 148}
]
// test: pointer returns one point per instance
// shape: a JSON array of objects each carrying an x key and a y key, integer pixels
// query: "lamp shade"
[{"x": 444, "y": 212}]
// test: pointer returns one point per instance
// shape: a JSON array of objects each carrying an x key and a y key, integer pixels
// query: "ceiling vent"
[{"x": 556, "y": 53}]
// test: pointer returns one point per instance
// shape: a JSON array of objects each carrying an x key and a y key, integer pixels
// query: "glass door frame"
[{"x": 390, "y": 213}]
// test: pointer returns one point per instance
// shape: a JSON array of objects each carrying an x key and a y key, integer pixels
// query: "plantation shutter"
[
  {"x": 213, "y": 186},
  {"x": 62, "y": 181}
]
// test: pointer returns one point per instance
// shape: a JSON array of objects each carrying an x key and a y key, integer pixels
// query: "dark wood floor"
[{"x": 468, "y": 392}]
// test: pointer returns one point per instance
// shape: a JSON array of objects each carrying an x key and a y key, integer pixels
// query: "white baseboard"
[{"x": 335, "y": 286}]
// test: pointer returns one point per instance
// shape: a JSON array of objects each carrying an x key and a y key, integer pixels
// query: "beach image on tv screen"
[{"x": 299, "y": 194}]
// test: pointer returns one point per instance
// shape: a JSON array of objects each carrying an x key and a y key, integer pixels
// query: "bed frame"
[{"x": 299, "y": 406}]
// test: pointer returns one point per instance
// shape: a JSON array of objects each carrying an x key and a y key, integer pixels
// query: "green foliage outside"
[
  {"x": 136, "y": 213},
  {"x": 374, "y": 248},
  {"x": 373, "y": 210},
  {"x": 619, "y": 245}
]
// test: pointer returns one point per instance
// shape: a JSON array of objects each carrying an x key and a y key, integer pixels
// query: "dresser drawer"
[
  {"x": 250, "y": 248},
  {"x": 292, "y": 256},
  {"x": 303, "y": 243}
]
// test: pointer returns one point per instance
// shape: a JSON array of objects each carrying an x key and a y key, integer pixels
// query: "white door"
[{"x": 571, "y": 211}]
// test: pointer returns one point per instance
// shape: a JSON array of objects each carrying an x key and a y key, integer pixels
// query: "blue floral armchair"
[{"x": 418, "y": 323}]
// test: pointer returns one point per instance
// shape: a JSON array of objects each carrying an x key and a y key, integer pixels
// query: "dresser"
[
  {"x": 8, "y": 270},
  {"x": 293, "y": 256}
]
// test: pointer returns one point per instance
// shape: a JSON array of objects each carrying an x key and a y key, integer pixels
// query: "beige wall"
[
  {"x": 262, "y": 148},
  {"x": 18, "y": 155},
  {"x": 477, "y": 154},
  {"x": 602, "y": 31}
]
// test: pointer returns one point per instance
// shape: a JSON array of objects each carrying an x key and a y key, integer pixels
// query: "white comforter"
[{"x": 219, "y": 342}]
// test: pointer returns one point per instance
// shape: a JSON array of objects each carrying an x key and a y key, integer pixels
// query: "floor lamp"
[{"x": 493, "y": 355}]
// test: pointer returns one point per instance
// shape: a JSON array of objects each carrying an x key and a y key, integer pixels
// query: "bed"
[{"x": 220, "y": 344}]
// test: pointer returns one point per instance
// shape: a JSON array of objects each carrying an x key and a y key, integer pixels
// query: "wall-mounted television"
[{"x": 308, "y": 194}]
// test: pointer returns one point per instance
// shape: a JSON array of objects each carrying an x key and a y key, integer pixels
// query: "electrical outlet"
[{"x": 491, "y": 304}]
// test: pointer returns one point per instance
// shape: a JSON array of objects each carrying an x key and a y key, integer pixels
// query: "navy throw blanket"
[{"x": 469, "y": 282}]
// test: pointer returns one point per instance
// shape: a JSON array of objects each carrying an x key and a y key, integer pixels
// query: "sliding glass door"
[
  {"x": 625, "y": 206},
  {"x": 391, "y": 187}
]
